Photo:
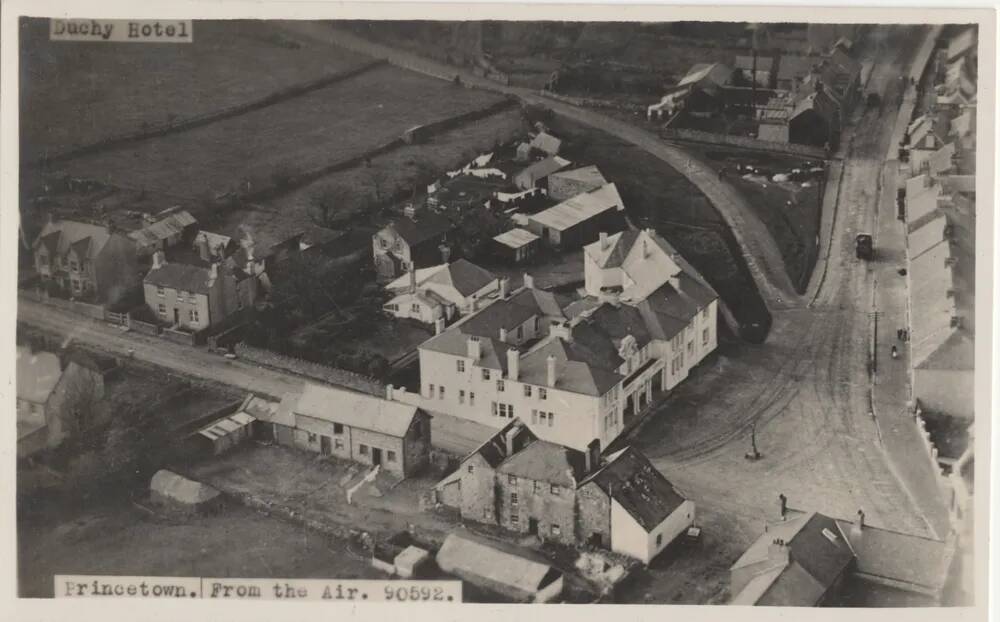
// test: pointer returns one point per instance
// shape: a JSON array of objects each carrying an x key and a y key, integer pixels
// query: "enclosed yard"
[
  {"x": 95, "y": 90},
  {"x": 250, "y": 152}
]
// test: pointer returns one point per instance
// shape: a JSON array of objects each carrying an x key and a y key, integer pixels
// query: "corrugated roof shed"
[
  {"x": 516, "y": 238},
  {"x": 469, "y": 556},
  {"x": 173, "y": 224},
  {"x": 580, "y": 208}
]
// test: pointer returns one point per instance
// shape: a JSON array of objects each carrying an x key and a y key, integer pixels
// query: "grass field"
[
  {"x": 655, "y": 195},
  {"x": 79, "y": 92},
  {"x": 316, "y": 129}
]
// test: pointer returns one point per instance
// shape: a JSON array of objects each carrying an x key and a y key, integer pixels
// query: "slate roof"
[
  {"x": 426, "y": 226},
  {"x": 630, "y": 479},
  {"x": 574, "y": 371},
  {"x": 466, "y": 277},
  {"x": 546, "y": 462},
  {"x": 59, "y": 236},
  {"x": 580, "y": 208},
  {"x": 898, "y": 556},
  {"x": 358, "y": 410},
  {"x": 268, "y": 410},
  {"x": 941, "y": 161},
  {"x": 617, "y": 249},
  {"x": 715, "y": 74},
  {"x": 182, "y": 277},
  {"x": 37, "y": 374},
  {"x": 819, "y": 554},
  {"x": 587, "y": 174},
  {"x": 494, "y": 449}
]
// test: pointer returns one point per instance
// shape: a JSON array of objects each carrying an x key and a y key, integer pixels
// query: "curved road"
[{"x": 760, "y": 251}]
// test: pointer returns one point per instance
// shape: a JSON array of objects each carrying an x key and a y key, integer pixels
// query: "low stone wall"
[
  {"x": 180, "y": 336},
  {"x": 323, "y": 373},
  {"x": 146, "y": 328},
  {"x": 743, "y": 142}
]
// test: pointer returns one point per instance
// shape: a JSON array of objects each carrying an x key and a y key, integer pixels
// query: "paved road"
[
  {"x": 759, "y": 248},
  {"x": 456, "y": 436},
  {"x": 807, "y": 389}
]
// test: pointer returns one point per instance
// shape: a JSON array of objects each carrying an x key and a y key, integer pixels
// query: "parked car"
[{"x": 864, "y": 246}]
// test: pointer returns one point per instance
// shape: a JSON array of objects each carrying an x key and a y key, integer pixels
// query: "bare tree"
[{"x": 329, "y": 206}]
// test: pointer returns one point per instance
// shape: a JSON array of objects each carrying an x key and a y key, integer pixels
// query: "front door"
[
  {"x": 177, "y": 316},
  {"x": 533, "y": 526},
  {"x": 376, "y": 456},
  {"x": 324, "y": 445}
]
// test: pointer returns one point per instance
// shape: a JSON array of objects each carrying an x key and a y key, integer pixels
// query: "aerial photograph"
[{"x": 565, "y": 311}]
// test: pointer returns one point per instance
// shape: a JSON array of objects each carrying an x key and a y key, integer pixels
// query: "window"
[
  {"x": 536, "y": 487},
  {"x": 461, "y": 396},
  {"x": 159, "y": 291},
  {"x": 542, "y": 418},
  {"x": 431, "y": 389},
  {"x": 527, "y": 390},
  {"x": 311, "y": 437},
  {"x": 161, "y": 308},
  {"x": 512, "y": 479},
  {"x": 500, "y": 385},
  {"x": 383, "y": 243},
  {"x": 542, "y": 393},
  {"x": 390, "y": 456},
  {"x": 513, "y": 498},
  {"x": 555, "y": 530},
  {"x": 415, "y": 307},
  {"x": 76, "y": 285},
  {"x": 691, "y": 348},
  {"x": 460, "y": 365},
  {"x": 338, "y": 443},
  {"x": 73, "y": 265},
  {"x": 472, "y": 398},
  {"x": 534, "y": 415},
  {"x": 441, "y": 392},
  {"x": 513, "y": 519},
  {"x": 193, "y": 315},
  {"x": 472, "y": 468},
  {"x": 363, "y": 450},
  {"x": 486, "y": 374},
  {"x": 503, "y": 410},
  {"x": 520, "y": 333},
  {"x": 555, "y": 489},
  {"x": 659, "y": 539},
  {"x": 704, "y": 337},
  {"x": 338, "y": 428}
]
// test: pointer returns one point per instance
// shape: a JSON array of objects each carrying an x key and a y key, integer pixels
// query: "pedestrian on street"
[
  {"x": 895, "y": 352},
  {"x": 899, "y": 334}
]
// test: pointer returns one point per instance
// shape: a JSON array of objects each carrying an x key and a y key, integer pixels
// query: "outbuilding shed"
[{"x": 170, "y": 489}]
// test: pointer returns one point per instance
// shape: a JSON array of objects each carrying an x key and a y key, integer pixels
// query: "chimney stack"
[
  {"x": 473, "y": 348},
  {"x": 782, "y": 506},
  {"x": 604, "y": 240},
  {"x": 503, "y": 334},
  {"x": 445, "y": 253},
  {"x": 158, "y": 260},
  {"x": 203, "y": 250},
  {"x": 413, "y": 279},
  {"x": 529, "y": 281},
  {"x": 778, "y": 551},
  {"x": 592, "y": 456},
  {"x": 508, "y": 438},
  {"x": 550, "y": 370},
  {"x": 859, "y": 525},
  {"x": 439, "y": 326},
  {"x": 503, "y": 283},
  {"x": 388, "y": 392},
  {"x": 513, "y": 364},
  {"x": 213, "y": 271}
]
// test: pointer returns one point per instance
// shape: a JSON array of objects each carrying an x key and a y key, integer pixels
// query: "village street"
[
  {"x": 806, "y": 391},
  {"x": 451, "y": 434}
]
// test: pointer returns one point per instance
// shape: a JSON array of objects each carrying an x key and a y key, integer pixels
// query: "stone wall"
[{"x": 323, "y": 373}]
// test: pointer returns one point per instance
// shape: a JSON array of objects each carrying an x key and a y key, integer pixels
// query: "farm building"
[
  {"x": 274, "y": 420},
  {"x": 399, "y": 555},
  {"x": 526, "y": 485},
  {"x": 546, "y": 143},
  {"x": 578, "y": 220},
  {"x": 702, "y": 89},
  {"x": 535, "y": 173},
  {"x": 214, "y": 246},
  {"x": 517, "y": 245},
  {"x": 172, "y": 490},
  {"x": 492, "y": 566},
  {"x": 444, "y": 291},
  {"x": 361, "y": 428},
  {"x": 565, "y": 185},
  {"x": 164, "y": 230},
  {"x": 413, "y": 241}
]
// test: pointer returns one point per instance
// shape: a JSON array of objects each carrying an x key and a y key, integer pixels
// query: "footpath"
[{"x": 901, "y": 437}]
